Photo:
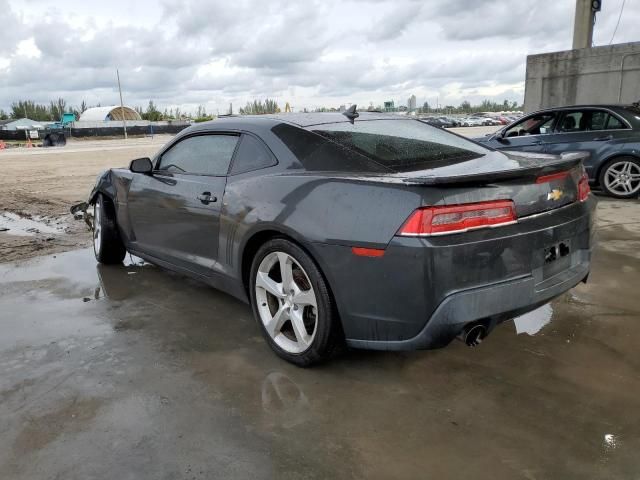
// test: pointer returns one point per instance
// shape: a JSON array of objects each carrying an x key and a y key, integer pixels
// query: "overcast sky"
[{"x": 307, "y": 52}]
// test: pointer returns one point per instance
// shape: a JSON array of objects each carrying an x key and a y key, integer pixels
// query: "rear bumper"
[
  {"x": 493, "y": 304},
  {"x": 423, "y": 291}
]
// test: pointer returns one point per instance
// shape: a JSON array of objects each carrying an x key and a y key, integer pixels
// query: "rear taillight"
[
  {"x": 459, "y": 218},
  {"x": 583, "y": 188},
  {"x": 552, "y": 177}
]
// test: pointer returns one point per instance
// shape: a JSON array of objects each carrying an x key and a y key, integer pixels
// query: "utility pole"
[
  {"x": 124, "y": 120},
  {"x": 583, "y": 23}
]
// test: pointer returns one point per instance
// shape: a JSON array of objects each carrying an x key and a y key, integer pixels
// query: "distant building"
[
  {"x": 411, "y": 103},
  {"x": 107, "y": 114},
  {"x": 389, "y": 106},
  {"x": 342, "y": 108},
  {"x": 21, "y": 124}
]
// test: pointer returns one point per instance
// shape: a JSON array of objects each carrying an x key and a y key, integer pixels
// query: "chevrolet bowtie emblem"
[{"x": 555, "y": 195}]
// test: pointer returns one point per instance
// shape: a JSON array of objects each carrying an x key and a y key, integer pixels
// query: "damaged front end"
[{"x": 80, "y": 211}]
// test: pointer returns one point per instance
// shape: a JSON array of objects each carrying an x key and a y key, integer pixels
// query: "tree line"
[
  {"x": 55, "y": 108},
  {"x": 50, "y": 112}
]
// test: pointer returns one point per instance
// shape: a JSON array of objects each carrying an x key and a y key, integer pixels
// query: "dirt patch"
[{"x": 40, "y": 185}]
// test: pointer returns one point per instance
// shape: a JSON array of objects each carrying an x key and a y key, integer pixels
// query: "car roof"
[
  {"x": 298, "y": 119},
  {"x": 610, "y": 106}
]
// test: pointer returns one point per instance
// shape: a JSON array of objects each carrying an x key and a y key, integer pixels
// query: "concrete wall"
[{"x": 590, "y": 75}]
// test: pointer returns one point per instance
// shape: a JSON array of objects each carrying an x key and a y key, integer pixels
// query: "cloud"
[
  {"x": 12, "y": 30},
  {"x": 392, "y": 26},
  {"x": 311, "y": 53}
]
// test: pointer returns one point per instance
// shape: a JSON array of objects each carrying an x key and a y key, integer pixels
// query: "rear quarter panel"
[{"x": 312, "y": 209}]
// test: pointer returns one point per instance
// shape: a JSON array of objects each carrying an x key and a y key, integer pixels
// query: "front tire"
[
  {"x": 620, "y": 177},
  {"x": 107, "y": 244},
  {"x": 292, "y": 304}
]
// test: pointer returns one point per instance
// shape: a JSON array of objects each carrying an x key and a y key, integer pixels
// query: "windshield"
[{"x": 401, "y": 145}]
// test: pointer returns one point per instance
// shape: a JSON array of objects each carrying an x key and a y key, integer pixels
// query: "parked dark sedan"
[
  {"x": 610, "y": 133},
  {"x": 378, "y": 230}
]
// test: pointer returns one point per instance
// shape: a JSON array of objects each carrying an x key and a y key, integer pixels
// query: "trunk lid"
[{"x": 536, "y": 183}]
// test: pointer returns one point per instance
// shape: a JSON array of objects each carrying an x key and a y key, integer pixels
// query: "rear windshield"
[{"x": 387, "y": 145}]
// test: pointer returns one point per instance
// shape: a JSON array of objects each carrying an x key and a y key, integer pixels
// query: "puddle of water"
[
  {"x": 16, "y": 225},
  {"x": 532, "y": 322}
]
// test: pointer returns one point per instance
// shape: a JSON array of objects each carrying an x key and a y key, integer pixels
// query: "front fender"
[{"x": 104, "y": 185}]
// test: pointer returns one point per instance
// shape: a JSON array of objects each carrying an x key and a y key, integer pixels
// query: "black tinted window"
[
  {"x": 317, "y": 154},
  {"x": 203, "y": 154},
  {"x": 401, "y": 145},
  {"x": 251, "y": 155}
]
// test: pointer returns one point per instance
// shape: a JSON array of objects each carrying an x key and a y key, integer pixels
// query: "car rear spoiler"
[{"x": 566, "y": 162}]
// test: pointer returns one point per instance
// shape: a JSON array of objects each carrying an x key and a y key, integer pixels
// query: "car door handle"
[
  {"x": 603, "y": 139},
  {"x": 207, "y": 198}
]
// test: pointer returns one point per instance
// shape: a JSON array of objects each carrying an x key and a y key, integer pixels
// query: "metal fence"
[{"x": 100, "y": 131}]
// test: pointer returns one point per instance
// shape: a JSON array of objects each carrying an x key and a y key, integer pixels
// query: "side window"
[
  {"x": 598, "y": 120},
  {"x": 614, "y": 123},
  {"x": 251, "y": 155},
  {"x": 539, "y": 124},
  {"x": 202, "y": 154},
  {"x": 573, "y": 122}
]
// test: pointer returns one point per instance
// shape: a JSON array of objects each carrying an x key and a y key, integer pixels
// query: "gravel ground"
[{"x": 41, "y": 184}]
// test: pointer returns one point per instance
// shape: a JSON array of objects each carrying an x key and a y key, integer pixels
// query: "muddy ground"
[
  {"x": 132, "y": 372},
  {"x": 41, "y": 185}
]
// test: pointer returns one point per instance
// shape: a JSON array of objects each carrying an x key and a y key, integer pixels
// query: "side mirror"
[
  {"x": 141, "y": 165},
  {"x": 499, "y": 136}
]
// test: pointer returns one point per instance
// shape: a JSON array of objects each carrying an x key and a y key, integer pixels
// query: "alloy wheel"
[
  {"x": 286, "y": 302},
  {"x": 623, "y": 178},
  {"x": 97, "y": 220}
]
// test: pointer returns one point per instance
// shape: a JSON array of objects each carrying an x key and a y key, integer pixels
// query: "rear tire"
[
  {"x": 292, "y": 304},
  {"x": 620, "y": 177},
  {"x": 107, "y": 244}
]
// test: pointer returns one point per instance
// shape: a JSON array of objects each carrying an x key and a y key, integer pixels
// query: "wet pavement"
[{"x": 134, "y": 372}]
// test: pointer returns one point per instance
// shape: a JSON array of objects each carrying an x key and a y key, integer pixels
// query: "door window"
[
  {"x": 598, "y": 121},
  {"x": 573, "y": 122},
  {"x": 202, "y": 154},
  {"x": 614, "y": 123},
  {"x": 252, "y": 155},
  {"x": 589, "y": 120},
  {"x": 539, "y": 124}
]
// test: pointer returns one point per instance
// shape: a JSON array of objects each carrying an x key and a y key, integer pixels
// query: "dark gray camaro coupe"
[{"x": 378, "y": 230}]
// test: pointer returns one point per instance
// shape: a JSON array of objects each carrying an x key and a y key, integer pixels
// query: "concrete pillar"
[{"x": 583, "y": 25}]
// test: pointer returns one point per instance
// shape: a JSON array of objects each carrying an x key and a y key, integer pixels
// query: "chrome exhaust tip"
[{"x": 473, "y": 334}]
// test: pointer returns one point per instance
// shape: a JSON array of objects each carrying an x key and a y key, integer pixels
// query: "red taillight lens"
[
  {"x": 553, "y": 176},
  {"x": 458, "y": 218},
  {"x": 583, "y": 188}
]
